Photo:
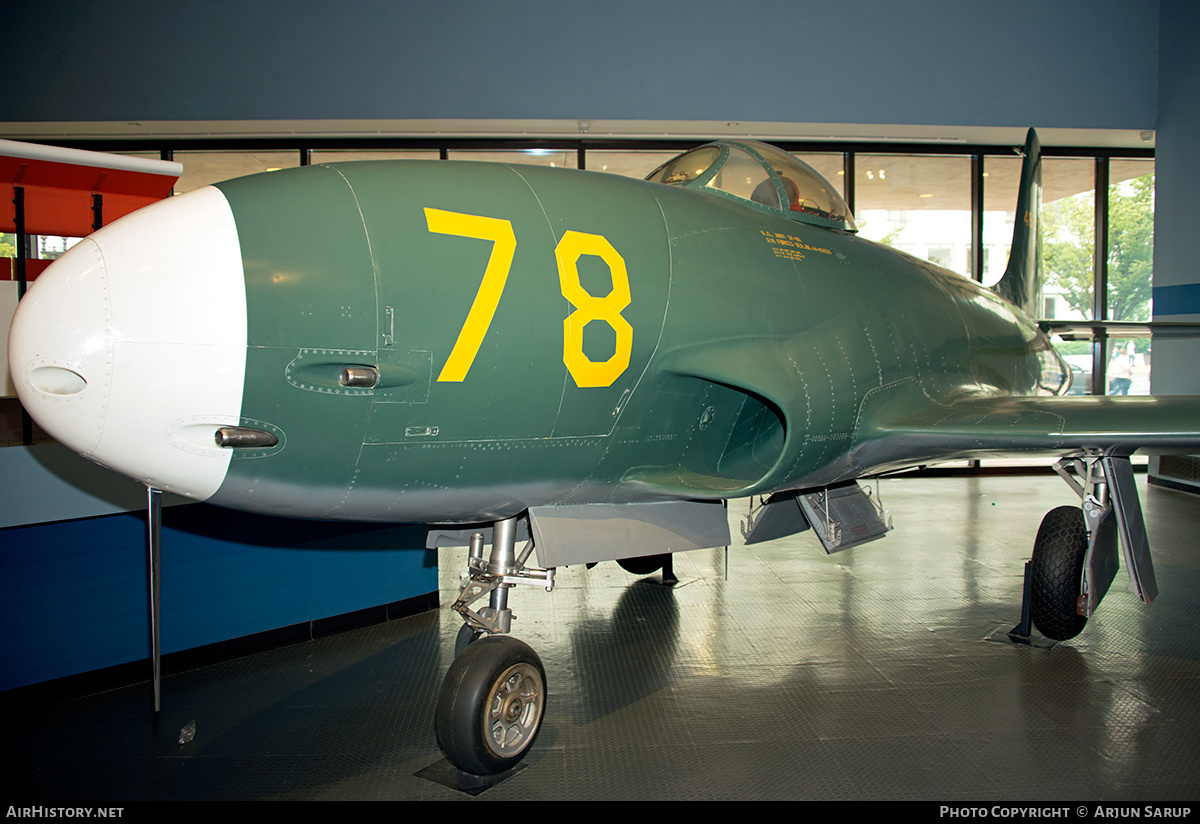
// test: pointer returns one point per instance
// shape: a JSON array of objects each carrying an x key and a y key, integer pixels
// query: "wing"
[
  {"x": 891, "y": 436},
  {"x": 1087, "y": 329}
]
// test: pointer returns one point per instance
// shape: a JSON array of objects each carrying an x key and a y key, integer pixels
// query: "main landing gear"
[
  {"x": 492, "y": 703},
  {"x": 1057, "y": 573},
  {"x": 1077, "y": 551}
]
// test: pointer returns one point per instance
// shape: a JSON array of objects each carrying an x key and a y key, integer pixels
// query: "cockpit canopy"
[{"x": 762, "y": 175}]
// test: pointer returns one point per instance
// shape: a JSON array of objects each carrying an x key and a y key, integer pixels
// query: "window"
[
  {"x": 1130, "y": 260},
  {"x": 553, "y": 158},
  {"x": 637, "y": 164},
  {"x": 920, "y": 204},
  {"x": 205, "y": 168}
]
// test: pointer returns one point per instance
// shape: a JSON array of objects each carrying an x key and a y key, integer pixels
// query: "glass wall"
[
  {"x": 1001, "y": 181},
  {"x": 1068, "y": 237},
  {"x": 1068, "y": 247},
  {"x": 1130, "y": 258},
  {"x": 204, "y": 168},
  {"x": 920, "y": 204},
  {"x": 345, "y": 155},
  {"x": 553, "y": 158},
  {"x": 1129, "y": 271},
  {"x": 1070, "y": 264},
  {"x": 636, "y": 164}
]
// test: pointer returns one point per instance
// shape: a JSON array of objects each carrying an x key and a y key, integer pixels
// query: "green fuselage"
[{"x": 747, "y": 355}]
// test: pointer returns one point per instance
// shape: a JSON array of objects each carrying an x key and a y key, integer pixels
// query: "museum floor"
[{"x": 792, "y": 675}]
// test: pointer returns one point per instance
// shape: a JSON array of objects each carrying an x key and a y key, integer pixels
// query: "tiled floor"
[{"x": 797, "y": 675}]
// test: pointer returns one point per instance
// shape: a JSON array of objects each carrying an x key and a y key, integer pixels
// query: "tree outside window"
[{"x": 1067, "y": 249}]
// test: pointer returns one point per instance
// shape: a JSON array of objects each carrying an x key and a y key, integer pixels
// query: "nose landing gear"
[{"x": 492, "y": 702}]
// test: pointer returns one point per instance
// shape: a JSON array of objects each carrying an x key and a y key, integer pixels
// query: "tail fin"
[{"x": 1019, "y": 285}]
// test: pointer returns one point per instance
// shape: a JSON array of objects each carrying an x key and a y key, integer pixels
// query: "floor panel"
[{"x": 862, "y": 675}]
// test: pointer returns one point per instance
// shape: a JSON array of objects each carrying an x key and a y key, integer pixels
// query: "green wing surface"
[{"x": 888, "y": 436}]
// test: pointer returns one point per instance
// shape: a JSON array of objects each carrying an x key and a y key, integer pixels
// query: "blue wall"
[
  {"x": 1068, "y": 63},
  {"x": 1177, "y": 180},
  {"x": 74, "y": 593}
]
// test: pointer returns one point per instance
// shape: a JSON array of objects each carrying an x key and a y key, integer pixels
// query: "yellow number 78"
[{"x": 588, "y": 307}]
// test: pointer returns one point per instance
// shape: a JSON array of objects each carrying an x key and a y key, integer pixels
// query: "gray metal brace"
[{"x": 1110, "y": 508}]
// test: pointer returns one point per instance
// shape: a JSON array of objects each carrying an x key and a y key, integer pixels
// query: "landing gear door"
[
  {"x": 844, "y": 517},
  {"x": 1101, "y": 564},
  {"x": 1134, "y": 542}
]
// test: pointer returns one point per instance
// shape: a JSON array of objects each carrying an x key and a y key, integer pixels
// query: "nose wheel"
[
  {"x": 491, "y": 705},
  {"x": 467, "y": 635}
]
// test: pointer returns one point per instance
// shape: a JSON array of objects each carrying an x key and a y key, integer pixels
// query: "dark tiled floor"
[{"x": 856, "y": 676}]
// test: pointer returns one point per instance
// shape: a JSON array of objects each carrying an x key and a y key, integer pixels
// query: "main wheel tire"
[
  {"x": 1058, "y": 555},
  {"x": 645, "y": 565},
  {"x": 490, "y": 707}
]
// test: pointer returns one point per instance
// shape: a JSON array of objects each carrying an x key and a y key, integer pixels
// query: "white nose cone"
[
  {"x": 60, "y": 348},
  {"x": 131, "y": 348}
]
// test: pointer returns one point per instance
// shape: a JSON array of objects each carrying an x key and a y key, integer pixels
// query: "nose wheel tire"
[
  {"x": 467, "y": 635},
  {"x": 1058, "y": 555},
  {"x": 491, "y": 705}
]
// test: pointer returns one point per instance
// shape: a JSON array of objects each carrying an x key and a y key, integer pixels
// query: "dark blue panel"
[
  {"x": 73, "y": 595},
  {"x": 1183, "y": 299}
]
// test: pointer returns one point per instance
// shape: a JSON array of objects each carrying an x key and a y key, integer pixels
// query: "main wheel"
[
  {"x": 644, "y": 565},
  {"x": 1058, "y": 554},
  {"x": 491, "y": 705}
]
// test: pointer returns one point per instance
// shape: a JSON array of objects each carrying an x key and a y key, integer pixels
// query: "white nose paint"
[{"x": 131, "y": 348}]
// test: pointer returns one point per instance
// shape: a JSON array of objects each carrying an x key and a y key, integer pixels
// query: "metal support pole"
[
  {"x": 168, "y": 154},
  {"x": 22, "y": 285},
  {"x": 1100, "y": 277},
  {"x": 848, "y": 180},
  {"x": 19, "y": 203},
  {"x": 976, "y": 238},
  {"x": 154, "y": 537},
  {"x": 977, "y": 217},
  {"x": 1023, "y": 631}
]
